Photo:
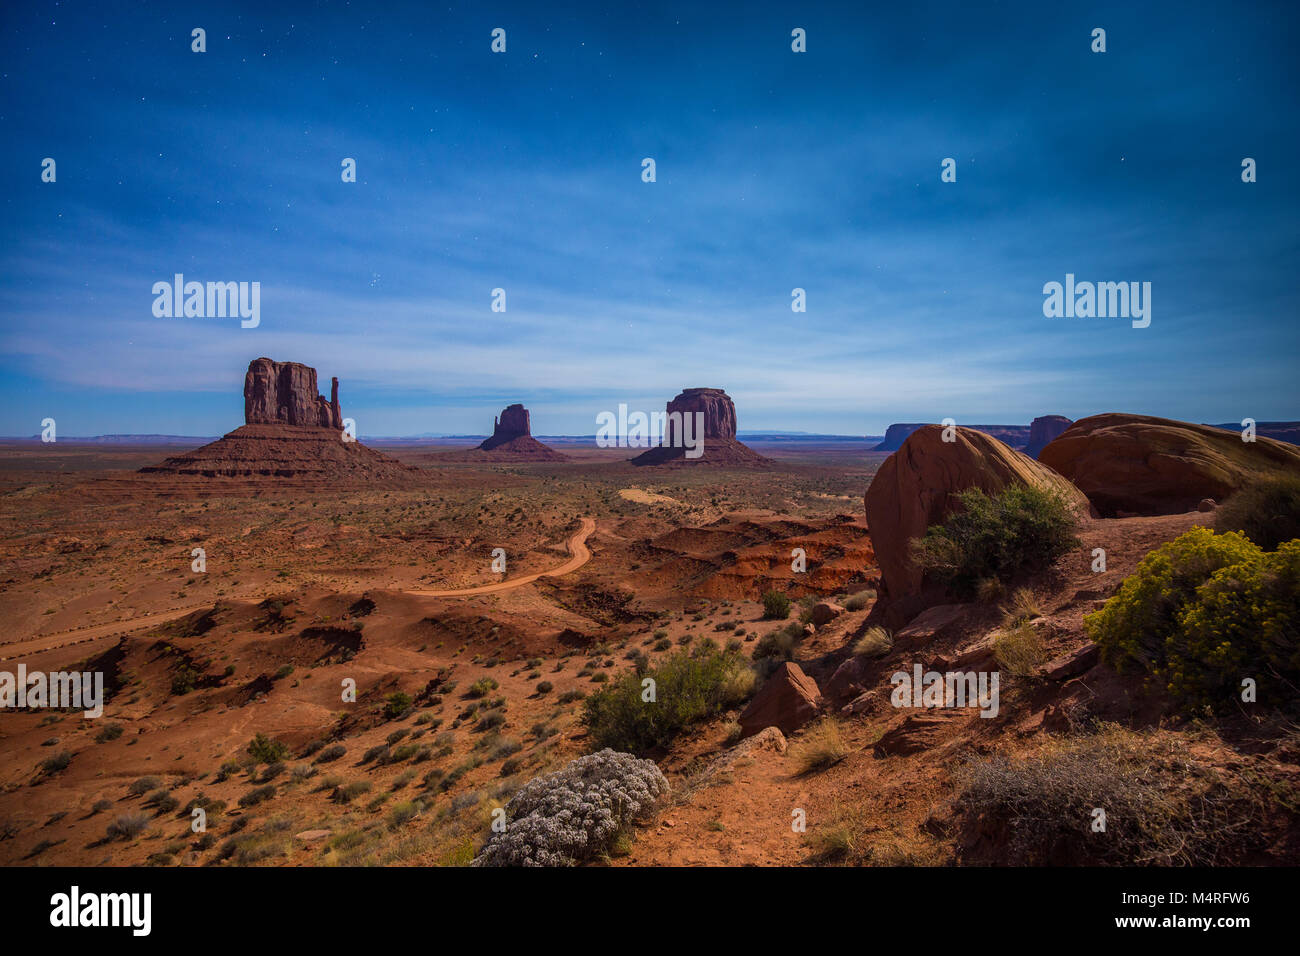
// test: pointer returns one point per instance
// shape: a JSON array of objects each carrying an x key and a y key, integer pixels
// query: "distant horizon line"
[{"x": 750, "y": 434}]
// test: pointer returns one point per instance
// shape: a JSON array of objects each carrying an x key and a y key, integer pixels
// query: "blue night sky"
[{"x": 775, "y": 170}]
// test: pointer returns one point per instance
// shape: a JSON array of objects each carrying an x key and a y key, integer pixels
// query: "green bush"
[
  {"x": 265, "y": 750},
  {"x": 776, "y": 606},
  {"x": 856, "y": 602},
  {"x": 779, "y": 644},
  {"x": 395, "y": 705},
  {"x": 1205, "y": 611},
  {"x": 1268, "y": 512},
  {"x": 1015, "y": 530},
  {"x": 689, "y": 687}
]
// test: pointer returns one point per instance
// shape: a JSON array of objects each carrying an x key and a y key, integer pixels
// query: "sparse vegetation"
[
  {"x": 263, "y": 749},
  {"x": 1002, "y": 536},
  {"x": 819, "y": 746},
  {"x": 1019, "y": 649},
  {"x": 1161, "y": 806},
  {"x": 856, "y": 602},
  {"x": 127, "y": 826},
  {"x": 776, "y": 606},
  {"x": 576, "y": 813},
  {"x": 396, "y": 705},
  {"x": 1267, "y": 512},
  {"x": 1204, "y": 612},
  {"x": 874, "y": 642},
  {"x": 688, "y": 686}
]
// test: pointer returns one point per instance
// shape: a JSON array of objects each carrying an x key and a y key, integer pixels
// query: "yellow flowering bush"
[{"x": 1204, "y": 612}]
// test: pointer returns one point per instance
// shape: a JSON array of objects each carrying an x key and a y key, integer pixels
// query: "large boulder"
[
  {"x": 915, "y": 488},
  {"x": 787, "y": 700},
  {"x": 284, "y": 393},
  {"x": 1149, "y": 466},
  {"x": 1044, "y": 430}
]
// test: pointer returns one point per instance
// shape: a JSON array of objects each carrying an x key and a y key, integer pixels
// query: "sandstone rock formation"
[
  {"x": 1152, "y": 466},
  {"x": 291, "y": 433},
  {"x": 914, "y": 488},
  {"x": 787, "y": 700},
  {"x": 719, "y": 438},
  {"x": 1044, "y": 430},
  {"x": 511, "y": 440},
  {"x": 284, "y": 393},
  {"x": 513, "y": 423},
  {"x": 291, "y": 452}
]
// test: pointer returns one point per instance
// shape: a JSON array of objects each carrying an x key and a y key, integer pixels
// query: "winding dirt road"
[{"x": 577, "y": 546}]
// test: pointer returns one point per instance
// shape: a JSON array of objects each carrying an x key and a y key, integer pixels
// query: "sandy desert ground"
[{"x": 307, "y": 587}]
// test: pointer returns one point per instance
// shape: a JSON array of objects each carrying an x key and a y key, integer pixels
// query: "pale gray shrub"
[{"x": 575, "y": 813}]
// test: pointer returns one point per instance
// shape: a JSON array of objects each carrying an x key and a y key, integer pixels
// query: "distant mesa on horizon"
[
  {"x": 1013, "y": 436},
  {"x": 1043, "y": 430},
  {"x": 720, "y": 444},
  {"x": 511, "y": 440},
  {"x": 290, "y": 431}
]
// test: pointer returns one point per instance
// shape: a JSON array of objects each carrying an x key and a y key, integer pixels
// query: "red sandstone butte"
[
  {"x": 720, "y": 444},
  {"x": 285, "y": 393}
]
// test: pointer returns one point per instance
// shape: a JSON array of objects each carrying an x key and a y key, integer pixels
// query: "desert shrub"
[
  {"x": 545, "y": 687},
  {"x": 330, "y": 753},
  {"x": 1267, "y": 512},
  {"x": 1015, "y": 530},
  {"x": 779, "y": 645},
  {"x": 110, "y": 732},
  {"x": 127, "y": 826},
  {"x": 1019, "y": 649},
  {"x": 1204, "y": 611},
  {"x": 857, "y": 602},
  {"x": 348, "y": 793},
  {"x": 257, "y": 795},
  {"x": 576, "y": 813},
  {"x": 1161, "y": 808},
  {"x": 265, "y": 750},
  {"x": 874, "y": 642},
  {"x": 482, "y": 687},
  {"x": 56, "y": 763},
  {"x": 143, "y": 785},
  {"x": 396, "y": 705},
  {"x": 405, "y": 752},
  {"x": 402, "y": 813},
  {"x": 819, "y": 747},
  {"x": 688, "y": 687},
  {"x": 776, "y": 606},
  {"x": 1023, "y": 606},
  {"x": 184, "y": 679},
  {"x": 165, "y": 804}
]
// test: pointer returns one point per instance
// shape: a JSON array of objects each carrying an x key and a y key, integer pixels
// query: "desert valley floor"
[{"x": 307, "y": 586}]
